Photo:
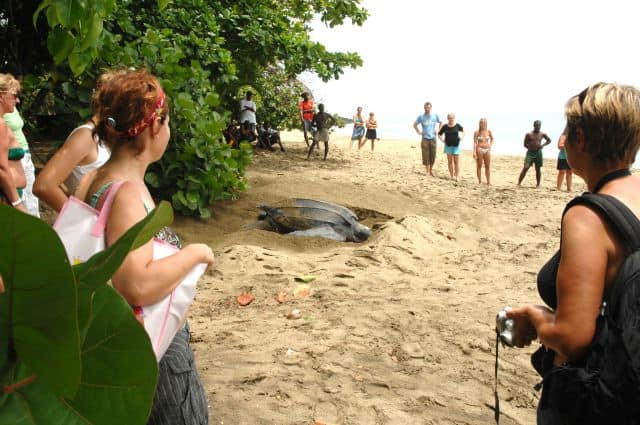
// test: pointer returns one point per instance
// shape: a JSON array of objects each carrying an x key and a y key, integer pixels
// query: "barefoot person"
[
  {"x": 372, "y": 131},
  {"x": 564, "y": 170},
  {"x": 534, "y": 145},
  {"x": 358, "y": 128},
  {"x": 451, "y": 134},
  {"x": 482, "y": 142},
  {"x": 322, "y": 122},
  {"x": 306, "y": 109},
  {"x": 430, "y": 124}
]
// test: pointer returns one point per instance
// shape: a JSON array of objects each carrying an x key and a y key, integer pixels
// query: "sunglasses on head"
[{"x": 582, "y": 96}]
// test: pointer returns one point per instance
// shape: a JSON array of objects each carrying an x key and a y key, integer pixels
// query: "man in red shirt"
[{"x": 307, "y": 110}]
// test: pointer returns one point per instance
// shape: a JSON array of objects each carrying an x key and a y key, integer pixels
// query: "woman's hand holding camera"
[{"x": 526, "y": 319}]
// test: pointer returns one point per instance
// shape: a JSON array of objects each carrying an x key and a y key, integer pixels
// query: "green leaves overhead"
[{"x": 203, "y": 51}]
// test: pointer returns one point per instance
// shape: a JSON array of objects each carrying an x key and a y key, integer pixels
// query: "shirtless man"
[
  {"x": 534, "y": 145},
  {"x": 323, "y": 122}
]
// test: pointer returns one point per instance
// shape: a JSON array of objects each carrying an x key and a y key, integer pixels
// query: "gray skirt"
[{"x": 180, "y": 398}]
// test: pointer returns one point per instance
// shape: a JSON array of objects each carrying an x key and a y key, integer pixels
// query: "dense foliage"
[
  {"x": 202, "y": 50},
  {"x": 71, "y": 351}
]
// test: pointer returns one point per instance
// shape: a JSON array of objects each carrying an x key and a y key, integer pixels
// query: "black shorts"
[
  {"x": 563, "y": 165},
  {"x": 372, "y": 134}
]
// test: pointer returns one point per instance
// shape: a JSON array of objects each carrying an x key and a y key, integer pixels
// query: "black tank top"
[
  {"x": 547, "y": 281},
  {"x": 549, "y": 272}
]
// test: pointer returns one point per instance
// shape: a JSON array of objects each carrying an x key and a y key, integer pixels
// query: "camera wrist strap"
[{"x": 496, "y": 408}]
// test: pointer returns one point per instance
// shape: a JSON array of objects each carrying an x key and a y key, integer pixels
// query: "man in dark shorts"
[{"x": 534, "y": 145}]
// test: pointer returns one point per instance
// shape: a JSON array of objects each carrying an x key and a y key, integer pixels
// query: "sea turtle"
[{"x": 308, "y": 217}]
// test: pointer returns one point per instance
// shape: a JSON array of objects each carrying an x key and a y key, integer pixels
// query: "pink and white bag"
[{"x": 82, "y": 231}]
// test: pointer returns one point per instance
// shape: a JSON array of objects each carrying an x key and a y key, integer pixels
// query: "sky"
[{"x": 509, "y": 61}]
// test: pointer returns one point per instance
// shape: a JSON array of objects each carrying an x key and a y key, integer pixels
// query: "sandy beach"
[{"x": 396, "y": 330}]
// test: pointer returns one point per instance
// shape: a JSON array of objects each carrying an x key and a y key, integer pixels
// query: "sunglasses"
[
  {"x": 571, "y": 127},
  {"x": 581, "y": 97},
  {"x": 12, "y": 93}
]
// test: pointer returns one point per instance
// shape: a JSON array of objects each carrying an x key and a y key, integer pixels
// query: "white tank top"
[{"x": 79, "y": 171}]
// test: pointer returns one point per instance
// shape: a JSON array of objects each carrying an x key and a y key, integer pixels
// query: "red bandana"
[{"x": 155, "y": 112}]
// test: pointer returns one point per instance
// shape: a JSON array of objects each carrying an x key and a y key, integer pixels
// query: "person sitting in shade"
[
  {"x": 232, "y": 134},
  {"x": 247, "y": 133},
  {"x": 323, "y": 122},
  {"x": 268, "y": 137}
]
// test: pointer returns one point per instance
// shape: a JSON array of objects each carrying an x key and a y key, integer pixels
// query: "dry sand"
[{"x": 398, "y": 329}]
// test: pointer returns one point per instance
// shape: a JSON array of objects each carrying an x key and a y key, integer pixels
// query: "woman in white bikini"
[
  {"x": 482, "y": 142},
  {"x": 81, "y": 153}
]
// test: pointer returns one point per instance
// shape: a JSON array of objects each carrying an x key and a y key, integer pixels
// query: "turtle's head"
[
  {"x": 263, "y": 211},
  {"x": 267, "y": 211},
  {"x": 360, "y": 233}
]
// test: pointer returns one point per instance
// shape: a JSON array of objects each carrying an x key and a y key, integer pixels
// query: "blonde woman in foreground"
[{"x": 603, "y": 137}]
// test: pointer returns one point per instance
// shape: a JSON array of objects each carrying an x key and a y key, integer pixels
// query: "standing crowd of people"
[
  {"x": 431, "y": 128},
  {"x": 429, "y": 125}
]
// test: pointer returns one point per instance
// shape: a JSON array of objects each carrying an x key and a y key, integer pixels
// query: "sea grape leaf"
[
  {"x": 119, "y": 373},
  {"x": 38, "y": 308},
  {"x": 119, "y": 368}
]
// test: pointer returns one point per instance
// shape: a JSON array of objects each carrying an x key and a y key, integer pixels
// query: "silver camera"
[{"x": 504, "y": 327}]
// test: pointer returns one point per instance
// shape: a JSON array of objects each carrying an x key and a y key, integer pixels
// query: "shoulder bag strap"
[
  {"x": 103, "y": 216},
  {"x": 618, "y": 215},
  {"x": 625, "y": 224}
]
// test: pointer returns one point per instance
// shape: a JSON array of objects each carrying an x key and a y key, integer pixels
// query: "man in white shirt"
[{"x": 248, "y": 110}]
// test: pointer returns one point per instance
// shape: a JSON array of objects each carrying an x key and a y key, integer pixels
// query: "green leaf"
[
  {"x": 119, "y": 366},
  {"x": 162, "y": 4},
  {"x": 38, "y": 307},
  {"x": 93, "y": 33},
  {"x": 60, "y": 44},
  {"x": 97, "y": 270},
  {"x": 78, "y": 61},
  {"x": 152, "y": 179},
  {"x": 119, "y": 374},
  {"x": 193, "y": 197},
  {"x": 179, "y": 196},
  {"x": 212, "y": 99},
  {"x": 68, "y": 12},
  {"x": 40, "y": 8}
]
